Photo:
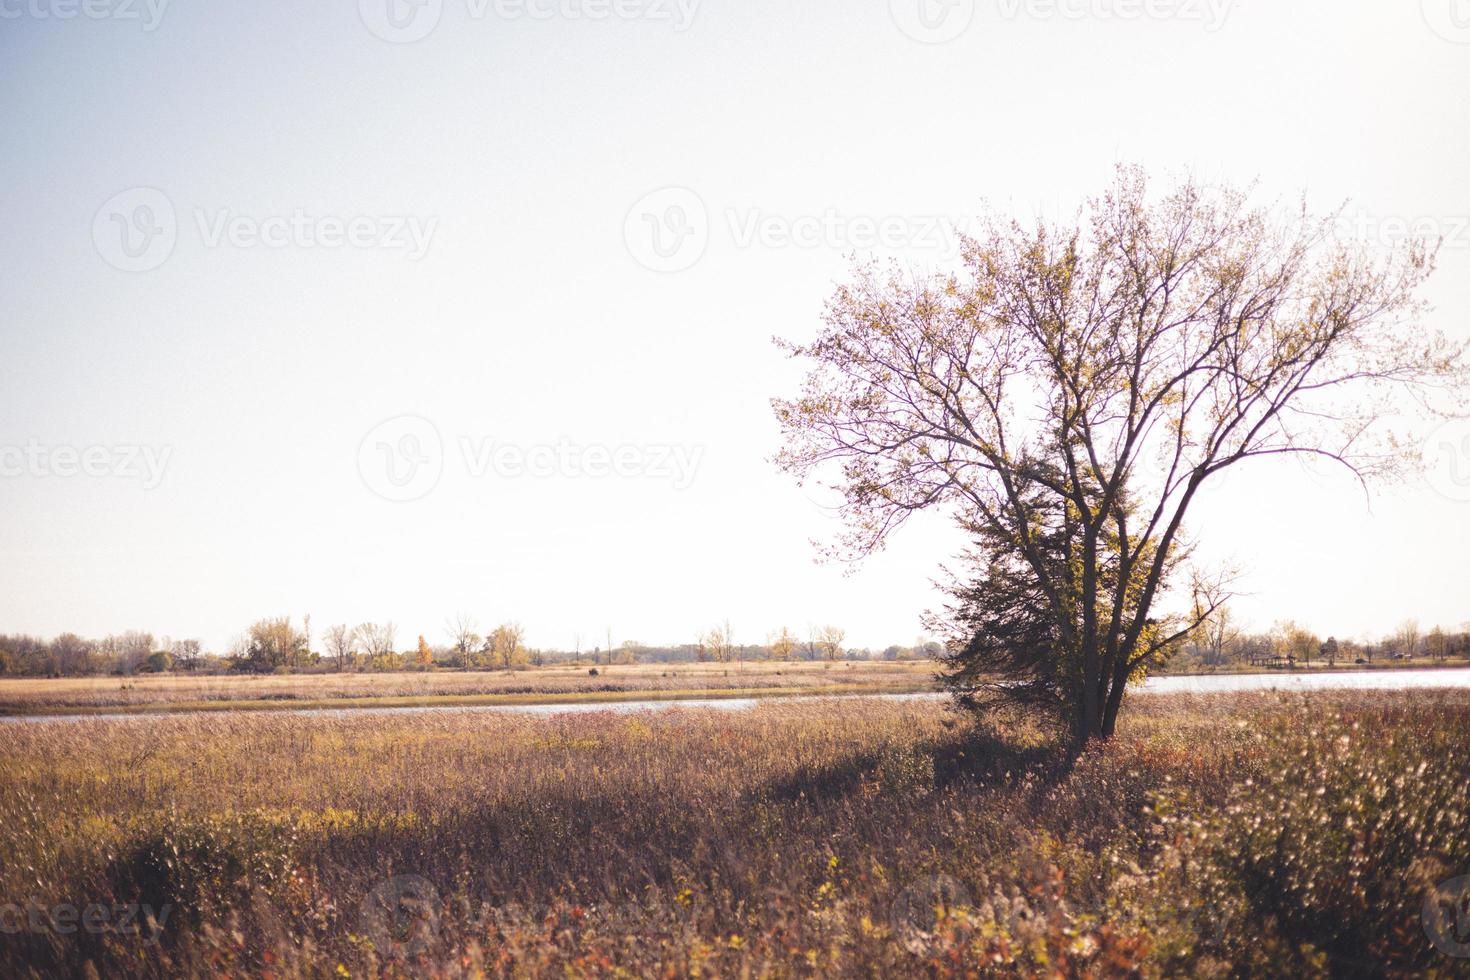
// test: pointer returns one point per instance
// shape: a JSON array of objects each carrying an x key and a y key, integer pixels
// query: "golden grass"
[{"x": 787, "y": 840}]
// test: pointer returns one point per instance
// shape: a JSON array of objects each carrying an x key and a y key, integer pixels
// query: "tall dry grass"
[{"x": 1216, "y": 836}]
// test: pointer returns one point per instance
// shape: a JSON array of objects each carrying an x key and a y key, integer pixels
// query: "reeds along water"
[{"x": 35, "y": 694}]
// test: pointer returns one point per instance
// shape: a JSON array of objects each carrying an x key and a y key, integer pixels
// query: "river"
[{"x": 1361, "y": 680}]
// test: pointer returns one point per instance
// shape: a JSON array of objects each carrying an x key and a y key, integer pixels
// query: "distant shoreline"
[
  {"x": 571, "y": 698},
  {"x": 1459, "y": 663},
  {"x": 909, "y": 681}
]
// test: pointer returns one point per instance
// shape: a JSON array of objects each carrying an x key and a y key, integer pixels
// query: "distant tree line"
[
  {"x": 279, "y": 645},
  {"x": 1221, "y": 642},
  {"x": 71, "y": 655}
]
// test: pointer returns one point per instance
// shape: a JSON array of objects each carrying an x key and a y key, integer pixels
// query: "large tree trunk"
[
  {"x": 1115, "y": 696},
  {"x": 1088, "y": 717},
  {"x": 1101, "y": 721},
  {"x": 1110, "y": 712}
]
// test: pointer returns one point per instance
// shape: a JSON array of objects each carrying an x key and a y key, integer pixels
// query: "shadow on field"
[
  {"x": 974, "y": 757},
  {"x": 987, "y": 758},
  {"x": 825, "y": 782},
  {"x": 610, "y": 844}
]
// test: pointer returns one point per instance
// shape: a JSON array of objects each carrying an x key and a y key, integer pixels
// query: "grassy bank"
[
  {"x": 472, "y": 700},
  {"x": 531, "y": 685},
  {"x": 1243, "y": 834}
]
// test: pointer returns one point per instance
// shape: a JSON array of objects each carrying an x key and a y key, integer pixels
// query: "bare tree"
[
  {"x": 1218, "y": 633},
  {"x": 73, "y": 654},
  {"x": 132, "y": 649},
  {"x": 813, "y": 646},
  {"x": 1067, "y": 395},
  {"x": 1407, "y": 638},
  {"x": 240, "y": 648},
  {"x": 830, "y": 639},
  {"x": 375, "y": 639},
  {"x": 462, "y": 632},
  {"x": 186, "y": 653},
  {"x": 339, "y": 645},
  {"x": 720, "y": 642}
]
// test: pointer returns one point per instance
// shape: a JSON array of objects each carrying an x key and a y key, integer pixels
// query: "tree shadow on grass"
[
  {"x": 976, "y": 756},
  {"x": 828, "y": 781},
  {"x": 985, "y": 757}
]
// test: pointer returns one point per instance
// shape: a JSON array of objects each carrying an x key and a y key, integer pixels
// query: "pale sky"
[{"x": 348, "y": 308}]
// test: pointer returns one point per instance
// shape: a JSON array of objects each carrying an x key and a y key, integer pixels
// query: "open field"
[
  {"x": 1216, "y": 836},
  {"x": 531, "y": 685}
]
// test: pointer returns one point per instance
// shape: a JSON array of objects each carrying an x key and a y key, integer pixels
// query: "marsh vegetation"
[{"x": 1223, "y": 835}]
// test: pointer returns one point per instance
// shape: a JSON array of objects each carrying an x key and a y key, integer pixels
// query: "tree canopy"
[{"x": 1066, "y": 393}]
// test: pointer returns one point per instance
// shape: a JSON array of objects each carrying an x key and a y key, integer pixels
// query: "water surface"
[{"x": 1359, "y": 680}]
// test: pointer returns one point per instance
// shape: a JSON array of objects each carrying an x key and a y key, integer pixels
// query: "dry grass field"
[
  {"x": 523, "y": 685},
  {"x": 1255, "y": 834}
]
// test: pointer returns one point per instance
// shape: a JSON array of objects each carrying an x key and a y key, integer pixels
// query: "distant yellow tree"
[
  {"x": 1294, "y": 641},
  {"x": 1436, "y": 644},
  {"x": 783, "y": 645},
  {"x": 375, "y": 640},
  {"x": 720, "y": 642},
  {"x": 505, "y": 645},
  {"x": 272, "y": 644},
  {"x": 425, "y": 655}
]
